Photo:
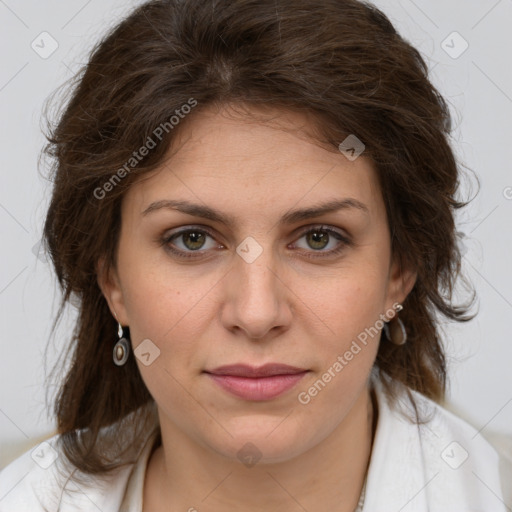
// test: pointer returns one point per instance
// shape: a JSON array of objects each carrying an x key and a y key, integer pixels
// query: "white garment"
[{"x": 442, "y": 466}]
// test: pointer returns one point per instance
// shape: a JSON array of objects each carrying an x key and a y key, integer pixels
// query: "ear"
[
  {"x": 110, "y": 286},
  {"x": 401, "y": 282}
]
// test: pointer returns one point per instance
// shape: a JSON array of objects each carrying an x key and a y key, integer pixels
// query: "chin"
[{"x": 262, "y": 441}]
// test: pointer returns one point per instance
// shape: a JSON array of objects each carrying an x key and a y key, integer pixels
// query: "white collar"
[{"x": 412, "y": 467}]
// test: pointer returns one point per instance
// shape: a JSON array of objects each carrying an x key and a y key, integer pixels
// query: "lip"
[
  {"x": 257, "y": 383},
  {"x": 267, "y": 370}
]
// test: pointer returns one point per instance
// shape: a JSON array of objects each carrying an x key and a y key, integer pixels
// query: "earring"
[
  {"x": 395, "y": 329},
  {"x": 121, "y": 348}
]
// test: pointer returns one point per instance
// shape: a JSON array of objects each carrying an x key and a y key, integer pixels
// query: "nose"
[{"x": 257, "y": 300}]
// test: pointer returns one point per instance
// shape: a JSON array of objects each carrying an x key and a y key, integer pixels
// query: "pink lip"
[{"x": 257, "y": 383}]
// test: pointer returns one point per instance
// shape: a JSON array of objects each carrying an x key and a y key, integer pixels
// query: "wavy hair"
[{"x": 341, "y": 61}]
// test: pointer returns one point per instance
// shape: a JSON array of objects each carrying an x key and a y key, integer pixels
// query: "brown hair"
[{"x": 339, "y": 60}]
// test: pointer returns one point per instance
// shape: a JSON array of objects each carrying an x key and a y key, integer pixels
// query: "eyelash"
[{"x": 344, "y": 242}]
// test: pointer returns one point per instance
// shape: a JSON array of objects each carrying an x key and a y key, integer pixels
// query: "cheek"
[
  {"x": 159, "y": 301},
  {"x": 163, "y": 311},
  {"x": 153, "y": 307},
  {"x": 173, "y": 310},
  {"x": 351, "y": 310},
  {"x": 350, "y": 301}
]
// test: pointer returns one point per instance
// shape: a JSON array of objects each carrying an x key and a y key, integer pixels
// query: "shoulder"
[
  {"x": 432, "y": 459},
  {"x": 41, "y": 480}
]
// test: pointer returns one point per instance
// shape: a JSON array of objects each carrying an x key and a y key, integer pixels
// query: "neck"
[{"x": 183, "y": 475}]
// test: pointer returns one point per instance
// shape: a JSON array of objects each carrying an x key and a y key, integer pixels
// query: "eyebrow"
[{"x": 291, "y": 217}]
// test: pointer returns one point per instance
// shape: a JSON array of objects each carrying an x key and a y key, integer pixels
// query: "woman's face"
[{"x": 265, "y": 279}]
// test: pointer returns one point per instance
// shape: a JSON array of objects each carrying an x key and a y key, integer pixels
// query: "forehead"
[{"x": 252, "y": 161}]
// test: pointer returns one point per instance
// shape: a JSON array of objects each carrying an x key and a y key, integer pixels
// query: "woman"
[{"x": 259, "y": 198}]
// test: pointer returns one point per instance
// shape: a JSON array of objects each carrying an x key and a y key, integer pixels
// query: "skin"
[{"x": 216, "y": 309}]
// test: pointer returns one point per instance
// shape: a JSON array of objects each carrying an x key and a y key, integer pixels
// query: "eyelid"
[
  {"x": 299, "y": 232},
  {"x": 344, "y": 239},
  {"x": 177, "y": 232},
  {"x": 321, "y": 227}
]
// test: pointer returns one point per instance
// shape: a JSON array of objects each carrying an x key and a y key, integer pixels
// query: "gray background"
[{"x": 477, "y": 83}]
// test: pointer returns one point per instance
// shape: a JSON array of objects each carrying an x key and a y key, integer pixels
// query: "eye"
[
  {"x": 187, "y": 241},
  {"x": 324, "y": 240},
  {"x": 195, "y": 242}
]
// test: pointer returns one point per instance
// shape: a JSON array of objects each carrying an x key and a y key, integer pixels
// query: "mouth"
[{"x": 257, "y": 383}]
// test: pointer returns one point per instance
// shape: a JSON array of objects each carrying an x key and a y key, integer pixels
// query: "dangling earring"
[
  {"x": 395, "y": 329},
  {"x": 121, "y": 348}
]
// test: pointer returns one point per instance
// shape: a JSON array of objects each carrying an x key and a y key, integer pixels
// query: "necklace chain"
[{"x": 360, "y": 503}]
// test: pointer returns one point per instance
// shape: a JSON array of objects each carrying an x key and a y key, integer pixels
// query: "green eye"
[
  {"x": 319, "y": 242},
  {"x": 317, "y": 239},
  {"x": 193, "y": 240},
  {"x": 186, "y": 242},
  {"x": 320, "y": 237}
]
